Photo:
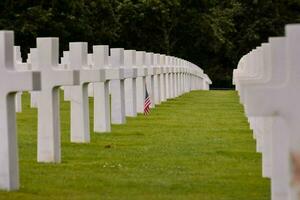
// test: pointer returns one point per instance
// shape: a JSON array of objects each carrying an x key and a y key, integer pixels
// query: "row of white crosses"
[
  {"x": 123, "y": 74},
  {"x": 268, "y": 82}
]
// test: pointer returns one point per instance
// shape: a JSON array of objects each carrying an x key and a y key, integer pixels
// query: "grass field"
[{"x": 197, "y": 146}]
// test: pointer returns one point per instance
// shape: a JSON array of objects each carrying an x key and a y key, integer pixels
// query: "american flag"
[{"x": 147, "y": 102}]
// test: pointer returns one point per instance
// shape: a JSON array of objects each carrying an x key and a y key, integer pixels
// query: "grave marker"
[
  {"x": 101, "y": 91},
  {"x": 80, "y": 123},
  {"x": 157, "y": 84},
  {"x": 150, "y": 78},
  {"x": 141, "y": 80},
  {"x": 49, "y": 145},
  {"x": 117, "y": 86},
  {"x": 163, "y": 77},
  {"x": 11, "y": 81},
  {"x": 130, "y": 83}
]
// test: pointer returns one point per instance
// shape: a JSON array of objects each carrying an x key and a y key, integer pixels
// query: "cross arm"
[
  {"x": 65, "y": 77},
  {"x": 130, "y": 72},
  {"x": 24, "y": 81},
  {"x": 92, "y": 75}
]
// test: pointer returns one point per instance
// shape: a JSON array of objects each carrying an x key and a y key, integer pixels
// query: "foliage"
[
  {"x": 213, "y": 34},
  {"x": 204, "y": 149}
]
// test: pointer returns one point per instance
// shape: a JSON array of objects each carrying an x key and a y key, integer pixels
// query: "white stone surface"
[
  {"x": 49, "y": 147},
  {"x": 171, "y": 77},
  {"x": 162, "y": 78},
  {"x": 19, "y": 66},
  {"x": 179, "y": 77},
  {"x": 117, "y": 86},
  {"x": 91, "y": 85},
  {"x": 130, "y": 84},
  {"x": 18, "y": 60},
  {"x": 175, "y": 78},
  {"x": 266, "y": 139},
  {"x": 150, "y": 78},
  {"x": 18, "y": 81},
  {"x": 65, "y": 61},
  {"x": 272, "y": 93},
  {"x": 167, "y": 76},
  {"x": 141, "y": 80},
  {"x": 181, "y": 80},
  {"x": 101, "y": 91},
  {"x": 33, "y": 61},
  {"x": 18, "y": 102},
  {"x": 157, "y": 79},
  {"x": 80, "y": 123}
]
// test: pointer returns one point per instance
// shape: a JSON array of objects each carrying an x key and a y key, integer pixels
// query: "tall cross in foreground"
[{"x": 11, "y": 81}]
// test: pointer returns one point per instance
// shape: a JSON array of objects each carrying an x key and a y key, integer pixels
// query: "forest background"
[{"x": 213, "y": 34}]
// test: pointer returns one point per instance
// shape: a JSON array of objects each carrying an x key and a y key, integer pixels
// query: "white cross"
[
  {"x": 176, "y": 77},
  {"x": 101, "y": 91},
  {"x": 163, "y": 77},
  {"x": 117, "y": 86},
  {"x": 49, "y": 146},
  {"x": 254, "y": 61},
  {"x": 167, "y": 77},
  {"x": 157, "y": 79},
  {"x": 184, "y": 77},
  {"x": 11, "y": 81},
  {"x": 150, "y": 77},
  {"x": 188, "y": 77},
  {"x": 171, "y": 76},
  {"x": 141, "y": 80},
  {"x": 175, "y": 87},
  {"x": 80, "y": 123},
  {"x": 180, "y": 77},
  {"x": 261, "y": 125},
  {"x": 130, "y": 83},
  {"x": 282, "y": 101},
  {"x": 275, "y": 74}
]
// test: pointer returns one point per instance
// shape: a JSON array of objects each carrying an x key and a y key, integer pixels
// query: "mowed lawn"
[{"x": 198, "y": 146}]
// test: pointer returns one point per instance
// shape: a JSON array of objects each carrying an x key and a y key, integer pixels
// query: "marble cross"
[
  {"x": 150, "y": 77},
  {"x": 171, "y": 77},
  {"x": 130, "y": 84},
  {"x": 180, "y": 77},
  {"x": 175, "y": 77},
  {"x": 101, "y": 91},
  {"x": 117, "y": 86},
  {"x": 49, "y": 145},
  {"x": 163, "y": 77},
  {"x": 80, "y": 123},
  {"x": 157, "y": 79},
  {"x": 258, "y": 103},
  {"x": 281, "y": 101},
  {"x": 141, "y": 80},
  {"x": 167, "y": 77},
  {"x": 11, "y": 81}
]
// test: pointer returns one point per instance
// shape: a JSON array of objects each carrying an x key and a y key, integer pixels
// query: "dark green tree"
[{"x": 212, "y": 34}]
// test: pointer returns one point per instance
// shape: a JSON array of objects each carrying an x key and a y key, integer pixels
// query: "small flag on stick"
[{"x": 147, "y": 102}]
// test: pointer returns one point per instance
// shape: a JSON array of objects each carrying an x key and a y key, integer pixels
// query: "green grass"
[{"x": 197, "y": 146}]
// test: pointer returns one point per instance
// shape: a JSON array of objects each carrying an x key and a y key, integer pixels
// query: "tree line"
[{"x": 210, "y": 33}]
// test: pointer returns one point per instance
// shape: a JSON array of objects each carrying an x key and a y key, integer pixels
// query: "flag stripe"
[{"x": 147, "y": 102}]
